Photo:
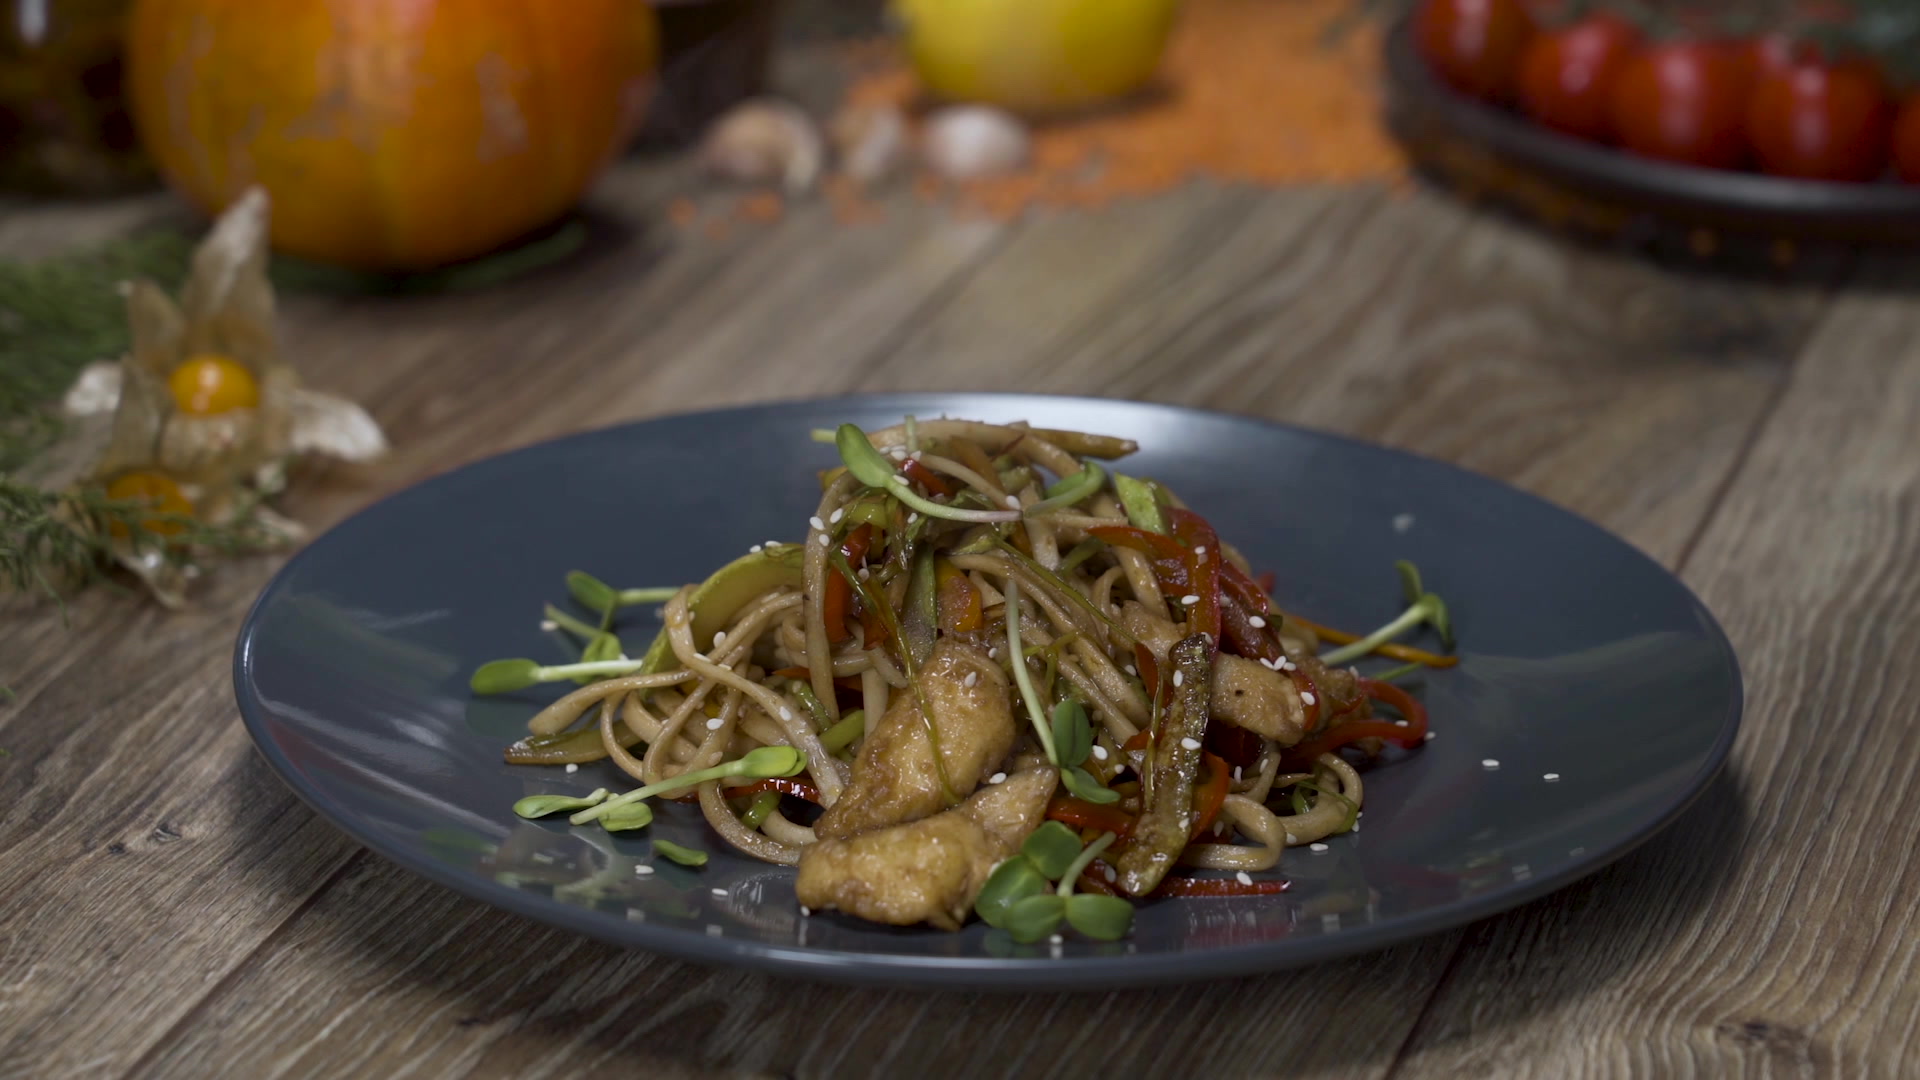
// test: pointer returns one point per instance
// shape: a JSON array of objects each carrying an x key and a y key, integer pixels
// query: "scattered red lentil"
[{"x": 1250, "y": 91}]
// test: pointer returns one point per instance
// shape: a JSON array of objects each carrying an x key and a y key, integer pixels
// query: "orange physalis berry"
[
  {"x": 210, "y": 384},
  {"x": 161, "y": 492}
]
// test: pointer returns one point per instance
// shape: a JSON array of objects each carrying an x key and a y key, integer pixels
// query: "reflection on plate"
[{"x": 1595, "y": 698}]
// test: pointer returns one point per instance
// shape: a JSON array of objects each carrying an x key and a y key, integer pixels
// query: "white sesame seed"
[
  {"x": 1109, "y": 874},
  {"x": 913, "y": 516},
  {"x": 1236, "y": 772},
  {"x": 716, "y": 724},
  {"x": 642, "y": 870},
  {"x": 1190, "y": 599},
  {"x": 786, "y": 713},
  {"x": 997, "y": 778},
  {"x": 1099, "y": 752},
  {"x": 898, "y": 453},
  {"x": 825, "y": 540},
  {"x": 720, "y": 892},
  {"x": 712, "y": 930},
  {"x": 816, "y": 523},
  {"x": 1307, "y": 698},
  {"x": 1428, "y": 737},
  {"x": 837, "y": 515},
  {"x": 571, "y": 767},
  {"x": 1131, "y": 670},
  {"x": 1013, "y": 502},
  {"x": 993, "y": 652},
  {"x": 1177, "y": 678},
  {"x": 1056, "y": 940},
  {"x": 1489, "y": 763},
  {"x": 1576, "y": 852},
  {"x": 865, "y": 573},
  {"x": 1257, "y": 622},
  {"x": 1316, "y": 847},
  {"x": 755, "y": 549},
  {"x": 1356, "y": 826},
  {"x": 805, "y": 911},
  {"x": 719, "y": 638},
  {"x": 972, "y": 678},
  {"x": 549, "y": 624},
  {"x": 1402, "y": 522},
  {"x": 1190, "y": 744},
  {"x": 1552, "y": 778},
  {"x": 773, "y": 543},
  {"x": 1201, "y": 550},
  {"x": 1243, "y": 878}
]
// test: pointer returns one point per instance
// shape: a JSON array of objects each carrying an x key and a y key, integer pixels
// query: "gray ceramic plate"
[{"x": 1601, "y": 687}]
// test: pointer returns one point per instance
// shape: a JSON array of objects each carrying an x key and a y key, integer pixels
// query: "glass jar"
[{"x": 64, "y": 124}]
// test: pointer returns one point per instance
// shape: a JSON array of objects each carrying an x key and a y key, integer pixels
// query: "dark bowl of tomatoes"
[{"x": 1724, "y": 145}]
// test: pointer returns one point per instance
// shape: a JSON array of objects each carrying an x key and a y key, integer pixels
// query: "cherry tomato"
[
  {"x": 1906, "y": 141},
  {"x": 1567, "y": 74},
  {"x": 1474, "y": 45},
  {"x": 1816, "y": 121},
  {"x": 1767, "y": 55},
  {"x": 154, "y": 488},
  {"x": 210, "y": 384},
  {"x": 1682, "y": 101}
]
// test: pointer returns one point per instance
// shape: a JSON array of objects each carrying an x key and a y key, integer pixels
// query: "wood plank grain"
[
  {"x": 1793, "y": 949},
  {"x": 386, "y": 975},
  {"x": 430, "y": 984},
  {"x": 131, "y": 811},
  {"x": 1576, "y": 374}
]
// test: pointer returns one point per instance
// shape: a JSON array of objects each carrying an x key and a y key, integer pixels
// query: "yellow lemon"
[{"x": 1035, "y": 56}]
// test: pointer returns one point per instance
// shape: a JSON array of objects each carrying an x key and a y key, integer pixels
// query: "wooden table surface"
[{"x": 168, "y": 908}]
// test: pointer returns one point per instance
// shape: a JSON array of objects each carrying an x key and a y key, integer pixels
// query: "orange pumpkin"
[{"x": 390, "y": 134}]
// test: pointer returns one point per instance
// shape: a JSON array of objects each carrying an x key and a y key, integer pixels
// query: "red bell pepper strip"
[
  {"x": 1211, "y": 795},
  {"x": 786, "y": 786},
  {"x": 839, "y": 597},
  {"x": 958, "y": 602},
  {"x": 932, "y": 481},
  {"x": 1082, "y": 814},
  {"x": 1168, "y": 558},
  {"x": 1407, "y": 735},
  {"x": 1149, "y": 670},
  {"x": 1203, "y": 570}
]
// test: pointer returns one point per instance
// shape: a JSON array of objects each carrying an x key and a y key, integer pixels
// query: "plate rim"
[{"x": 1012, "y": 974}]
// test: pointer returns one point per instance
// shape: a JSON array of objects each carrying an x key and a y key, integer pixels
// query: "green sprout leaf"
[
  {"x": 633, "y": 815},
  {"x": 504, "y": 676},
  {"x": 1102, "y": 918},
  {"x": 596, "y": 595},
  {"x": 1072, "y": 732},
  {"x": 1011, "y": 882},
  {"x": 1033, "y": 918},
  {"x": 869, "y": 466},
  {"x": 538, "y": 806},
  {"x": 1052, "y": 847},
  {"x": 1084, "y": 785},
  {"x": 685, "y": 856}
]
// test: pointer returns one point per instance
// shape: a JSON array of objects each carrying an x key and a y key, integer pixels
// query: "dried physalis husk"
[
  {"x": 970, "y": 142},
  {"x": 205, "y": 402}
]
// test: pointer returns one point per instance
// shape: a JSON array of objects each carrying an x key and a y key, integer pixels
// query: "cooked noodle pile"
[{"x": 809, "y": 645}]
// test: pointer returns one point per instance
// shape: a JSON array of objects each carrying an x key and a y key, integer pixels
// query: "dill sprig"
[
  {"x": 51, "y": 541},
  {"x": 59, "y": 314}
]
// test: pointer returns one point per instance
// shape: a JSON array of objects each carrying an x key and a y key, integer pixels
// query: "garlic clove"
[
  {"x": 765, "y": 141},
  {"x": 968, "y": 142},
  {"x": 872, "y": 141}
]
